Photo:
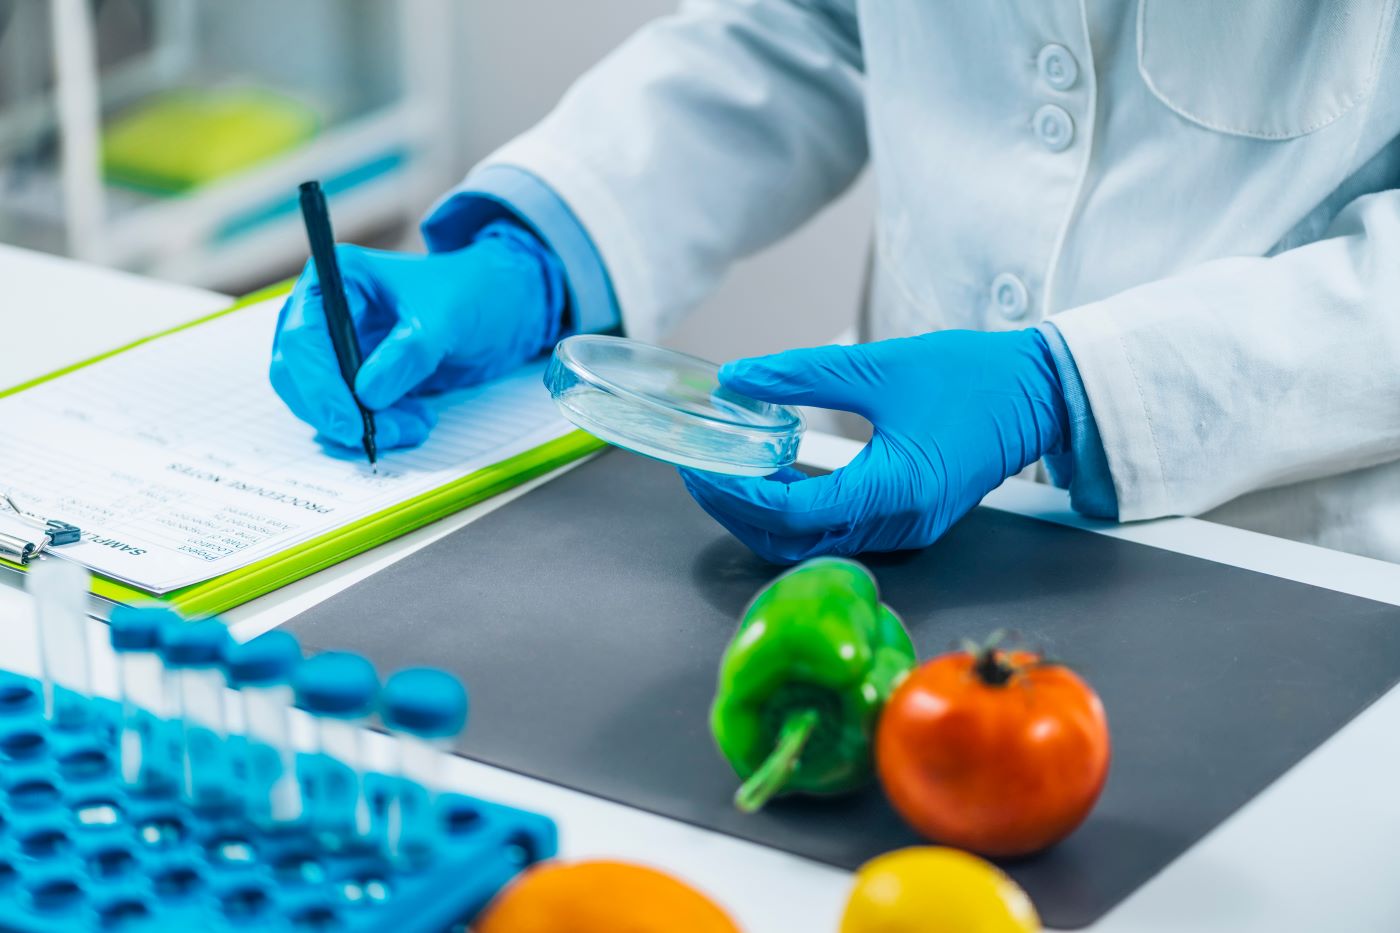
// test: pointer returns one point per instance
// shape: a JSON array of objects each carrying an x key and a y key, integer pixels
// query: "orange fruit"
[{"x": 601, "y": 897}]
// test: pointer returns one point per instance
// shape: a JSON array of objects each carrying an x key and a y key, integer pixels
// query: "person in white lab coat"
[{"x": 1174, "y": 223}]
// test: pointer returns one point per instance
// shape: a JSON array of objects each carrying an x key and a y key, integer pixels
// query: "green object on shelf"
[
  {"x": 183, "y": 139},
  {"x": 803, "y": 683}
]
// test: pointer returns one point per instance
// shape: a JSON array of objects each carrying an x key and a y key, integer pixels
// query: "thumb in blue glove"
[
  {"x": 426, "y": 324},
  {"x": 954, "y": 414}
]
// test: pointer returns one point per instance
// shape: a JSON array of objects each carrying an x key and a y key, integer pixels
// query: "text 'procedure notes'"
[{"x": 180, "y": 463}]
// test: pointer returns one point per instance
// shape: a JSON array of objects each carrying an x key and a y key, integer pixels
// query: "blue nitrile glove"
[
  {"x": 425, "y": 323},
  {"x": 954, "y": 412}
]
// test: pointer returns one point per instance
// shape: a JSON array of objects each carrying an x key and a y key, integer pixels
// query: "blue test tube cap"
[
  {"x": 424, "y": 701},
  {"x": 193, "y": 644},
  {"x": 336, "y": 683},
  {"x": 271, "y": 658},
  {"x": 138, "y": 628}
]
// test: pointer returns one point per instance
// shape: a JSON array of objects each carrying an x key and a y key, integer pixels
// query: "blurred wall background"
[{"x": 115, "y": 115}]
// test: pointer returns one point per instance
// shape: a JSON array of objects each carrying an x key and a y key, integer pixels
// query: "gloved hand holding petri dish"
[{"x": 669, "y": 406}]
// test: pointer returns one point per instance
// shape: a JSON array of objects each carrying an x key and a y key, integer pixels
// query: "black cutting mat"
[{"x": 587, "y": 619}]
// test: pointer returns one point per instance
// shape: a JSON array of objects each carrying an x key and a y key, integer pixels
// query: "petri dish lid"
[{"x": 669, "y": 406}]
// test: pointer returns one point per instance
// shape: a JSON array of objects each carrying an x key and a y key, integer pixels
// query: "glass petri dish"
[{"x": 669, "y": 406}]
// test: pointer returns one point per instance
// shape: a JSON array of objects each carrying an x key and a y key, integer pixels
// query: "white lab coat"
[{"x": 1198, "y": 193}]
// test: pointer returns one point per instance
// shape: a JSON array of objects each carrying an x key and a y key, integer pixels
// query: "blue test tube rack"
[{"x": 81, "y": 851}]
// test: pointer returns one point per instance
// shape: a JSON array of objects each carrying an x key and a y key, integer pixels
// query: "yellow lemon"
[{"x": 932, "y": 889}]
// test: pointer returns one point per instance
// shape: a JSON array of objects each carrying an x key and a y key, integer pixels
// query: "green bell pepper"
[{"x": 802, "y": 684}]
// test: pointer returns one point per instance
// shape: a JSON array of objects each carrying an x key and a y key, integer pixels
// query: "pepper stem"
[{"x": 770, "y": 776}]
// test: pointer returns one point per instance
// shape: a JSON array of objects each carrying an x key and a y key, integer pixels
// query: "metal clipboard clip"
[{"x": 52, "y": 533}]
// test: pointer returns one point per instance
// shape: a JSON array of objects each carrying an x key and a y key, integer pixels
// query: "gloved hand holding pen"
[
  {"x": 426, "y": 323},
  {"x": 954, "y": 413}
]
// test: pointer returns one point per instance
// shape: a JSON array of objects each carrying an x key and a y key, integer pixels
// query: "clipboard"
[{"x": 221, "y": 593}]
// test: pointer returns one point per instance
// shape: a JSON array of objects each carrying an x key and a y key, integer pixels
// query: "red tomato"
[{"x": 996, "y": 752}]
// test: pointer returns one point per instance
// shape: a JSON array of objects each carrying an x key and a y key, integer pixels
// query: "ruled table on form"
[{"x": 180, "y": 463}]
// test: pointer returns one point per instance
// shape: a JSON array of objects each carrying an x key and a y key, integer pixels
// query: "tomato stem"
[
  {"x": 988, "y": 663},
  {"x": 768, "y": 779}
]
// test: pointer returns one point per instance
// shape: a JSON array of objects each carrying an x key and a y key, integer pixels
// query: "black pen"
[{"x": 347, "y": 345}]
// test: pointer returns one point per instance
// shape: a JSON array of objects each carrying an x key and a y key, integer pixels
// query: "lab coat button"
[
  {"x": 1057, "y": 67},
  {"x": 1009, "y": 296},
  {"x": 1054, "y": 127}
]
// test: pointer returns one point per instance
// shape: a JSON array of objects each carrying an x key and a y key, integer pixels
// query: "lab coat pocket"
[{"x": 1263, "y": 68}]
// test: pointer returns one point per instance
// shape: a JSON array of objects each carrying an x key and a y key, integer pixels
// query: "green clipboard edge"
[{"x": 239, "y": 586}]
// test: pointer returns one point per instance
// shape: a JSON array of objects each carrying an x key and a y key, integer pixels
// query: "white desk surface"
[{"x": 1314, "y": 851}]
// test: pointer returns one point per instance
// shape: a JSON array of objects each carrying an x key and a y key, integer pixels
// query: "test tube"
[
  {"x": 426, "y": 708},
  {"x": 60, "y": 591},
  {"x": 338, "y": 689},
  {"x": 194, "y": 695},
  {"x": 261, "y": 671},
  {"x": 135, "y": 634}
]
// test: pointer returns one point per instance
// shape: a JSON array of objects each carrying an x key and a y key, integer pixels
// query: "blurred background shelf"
[
  {"x": 75, "y": 73},
  {"x": 407, "y": 95}
]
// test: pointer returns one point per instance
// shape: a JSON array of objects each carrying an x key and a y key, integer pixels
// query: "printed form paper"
[{"x": 180, "y": 463}]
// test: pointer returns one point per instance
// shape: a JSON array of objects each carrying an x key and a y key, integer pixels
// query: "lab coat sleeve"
[
  {"x": 708, "y": 135},
  {"x": 503, "y": 191},
  {"x": 1245, "y": 373},
  {"x": 1083, "y": 469}
]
